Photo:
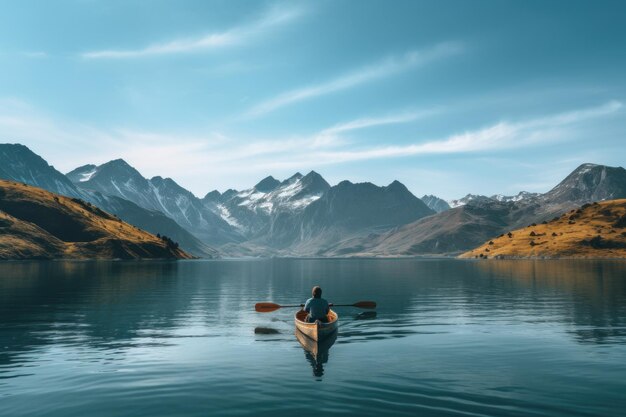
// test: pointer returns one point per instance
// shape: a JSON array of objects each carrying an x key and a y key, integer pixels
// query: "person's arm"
[{"x": 307, "y": 306}]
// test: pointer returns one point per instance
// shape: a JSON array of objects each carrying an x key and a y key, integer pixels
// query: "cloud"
[
  {"x": 198, "y": 160},
  {"x": 403, "y": 117},
  {"x": 496, "y": 137},
  {"x": 235, "y": 36},
  {"x": 379, "y": 70}
]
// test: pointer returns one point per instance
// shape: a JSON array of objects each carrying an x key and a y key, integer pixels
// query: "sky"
[{"x": 448, "y": 97}]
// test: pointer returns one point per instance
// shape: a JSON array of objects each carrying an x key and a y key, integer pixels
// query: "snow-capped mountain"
[
  {"x": 522, "y": 195},
  {"x": 467, "y": 199},
  {"x": 435, "y": 203},
  {"x": 478, "y": 199},
  {"x": 255, "y": 210},
  {"x": 117, "y": 178}
]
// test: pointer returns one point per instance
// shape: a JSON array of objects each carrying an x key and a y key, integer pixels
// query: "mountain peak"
[
  {"x": 117, "y": 168},
  {"x": 590, "y": 182},
  {"x": 435, "y": 203},
  {"x": 119, "y": 162},
  {"x": 314, "y": 182},
  {"x": 267, "y": 184},
  {"x": 19, "y": 163},
  {"x": 397, "y": 185},
  {"x": 212, "y": 196},
  {"x": 82, "y": 173},
  {"x": 293, "y": 178}
]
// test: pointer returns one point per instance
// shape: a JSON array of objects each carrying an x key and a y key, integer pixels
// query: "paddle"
[{"x": 268, "y": 307}]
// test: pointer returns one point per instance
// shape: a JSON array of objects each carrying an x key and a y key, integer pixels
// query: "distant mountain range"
[
  {"x": 480, "y": 218},
  {"x": 303, "y": 215}
]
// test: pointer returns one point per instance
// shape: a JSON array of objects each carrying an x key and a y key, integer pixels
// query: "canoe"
[
  {"x": 317, "y": 350},
  {"x": 316, "y": 331}
]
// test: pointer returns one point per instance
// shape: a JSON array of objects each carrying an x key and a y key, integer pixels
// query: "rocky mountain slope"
[
  {"x": 596, "y": 230},
  {"x": 38, "y": 224},
  {"x": 346, "y": 211},
  {"x": 265, "y": 208},
  {"x": 119, "y": 179},
  {"x": 435, "y": 203},
  {"x": 481, "y": 218}
]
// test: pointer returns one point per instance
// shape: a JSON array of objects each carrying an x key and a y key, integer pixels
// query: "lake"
[{"x": 449, "y": 338}]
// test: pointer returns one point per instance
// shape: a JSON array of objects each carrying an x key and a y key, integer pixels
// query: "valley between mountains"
[{"x": 305, "y": 216}]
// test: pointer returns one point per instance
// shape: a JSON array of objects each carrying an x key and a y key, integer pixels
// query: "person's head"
[{"x": 317, "y": 292}]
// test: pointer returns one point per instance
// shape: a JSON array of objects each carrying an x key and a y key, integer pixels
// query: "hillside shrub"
[
  {"x": 621, "y": 222},
  {"x": 597, "y": 242}
]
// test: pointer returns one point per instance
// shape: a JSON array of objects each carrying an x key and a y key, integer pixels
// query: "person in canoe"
[{"x": 317, "y": 307}]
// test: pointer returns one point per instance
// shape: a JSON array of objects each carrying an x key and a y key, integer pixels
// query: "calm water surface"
[{"x": 450, "y": 338}]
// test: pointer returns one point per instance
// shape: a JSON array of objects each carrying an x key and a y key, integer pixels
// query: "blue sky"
[{"x": 448, "y": 97}]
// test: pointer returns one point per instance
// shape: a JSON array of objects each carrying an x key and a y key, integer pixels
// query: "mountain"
[
  {"x": 117, "y": 178},
  {"x": 588, "y": 183},
  {"x": 435, "y": 203},
  {"x": 82, "y": 174},
  {"x": 18, "y": 163},
  {"x": 522, "y": 195},
  {"x": 467, "y": 199},
  {"x": 356, "y": 207},
  {"x": 38, "y": 224},
  {"x": 595, "y": 230},
  {"x": 154, "y": 222},
  {"x": 480, "y": 218},
  {"x": 269, "y": 205},
  {"x": 448, "y": 232},
  {"x": 317, "y": 218}
]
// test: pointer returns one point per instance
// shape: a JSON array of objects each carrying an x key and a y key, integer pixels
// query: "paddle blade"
[
  {"x": 365, "y": 304},
  {"x": 266, "y": 307}
]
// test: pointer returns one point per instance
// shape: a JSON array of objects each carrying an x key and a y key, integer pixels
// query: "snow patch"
[
  {"x": 228, "y": 218},
  {"x": 86, "y": 176}
]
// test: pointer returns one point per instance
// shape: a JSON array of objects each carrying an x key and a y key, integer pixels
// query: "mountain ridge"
[{"x": 35, "y": 223}]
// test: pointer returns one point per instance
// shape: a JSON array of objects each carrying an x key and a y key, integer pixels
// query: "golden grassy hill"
[
  {"x": 37, "y": 224},
  {"x": 595, "y": 230}
]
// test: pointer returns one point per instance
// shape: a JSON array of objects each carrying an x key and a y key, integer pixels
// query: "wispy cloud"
[
  {"x": 193, "y": 159},
  {"x": 366, "y": 122},
  {"x": 385, "y": 68},
  {"x": 234, "y": 36},
  {"x": 496, "y": 137}
]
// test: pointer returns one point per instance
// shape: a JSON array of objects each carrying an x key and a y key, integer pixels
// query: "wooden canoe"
[{"x": 316, "y": 331}]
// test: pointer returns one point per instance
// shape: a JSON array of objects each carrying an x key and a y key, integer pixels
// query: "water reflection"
[
  {"x": 366, "y": 315},
  {"x": 316, "y": 352},
  {"x": 588, "y": 296},
  {"x": 266, "y": 330},
  {"x": 499, "y": 336}
]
